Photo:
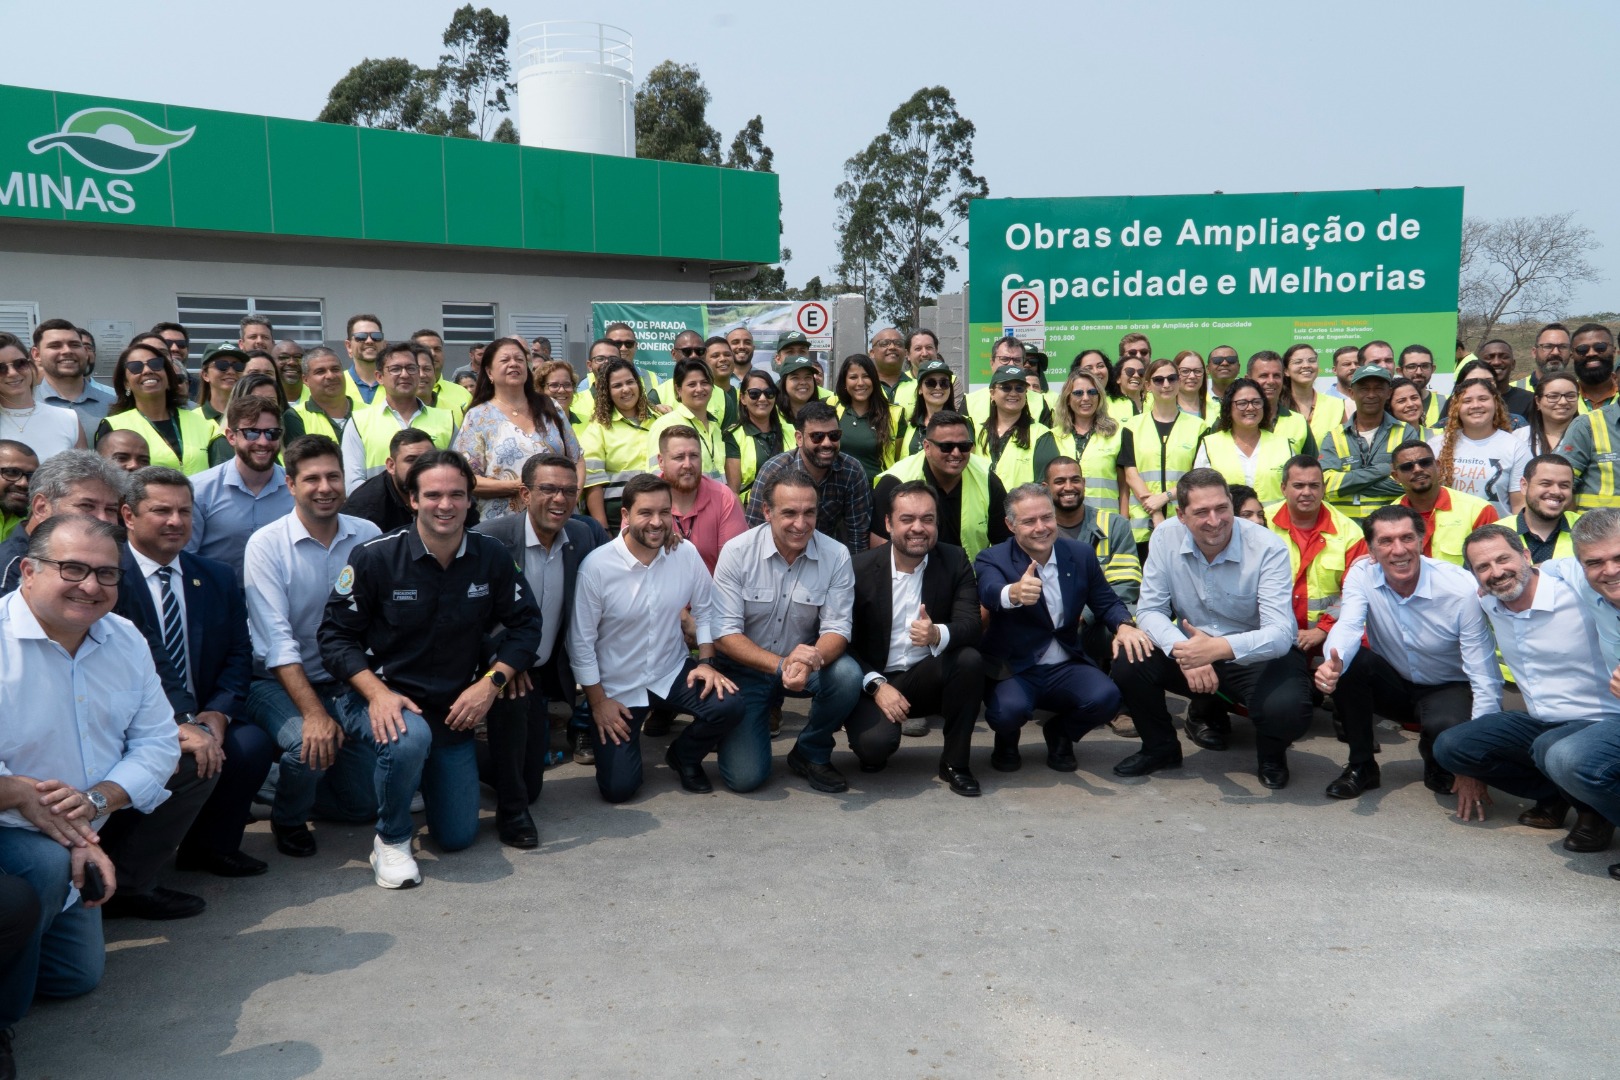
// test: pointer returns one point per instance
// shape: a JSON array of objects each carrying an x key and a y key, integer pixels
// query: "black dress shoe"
[
  {"x": 234, "y": 864},
  {"x": 1205, "y": 735},
  {"x": 1592, "y": 832},
  {"x": 1438, "y": 780},
  {"x": 873, "y": 766},
  {"x": 962, "y": 782},
  {"x": 517, "y": 830},
  {"x": 693, "y": 778},
  {"x": 8, "y": 1060},
  {"x": 158, "y": 905},
  {"x": 1146, "y": 761},
  {"x": 1005, "y": 757},
  {"x": 822, "y": 776},
  {"x": 1546, "y": 815},
  {"x": 294, "y": 840},
  {"x": 657, "y": 723},
  {"x": 1614, "y": 871},
  {"x": 1356, "y": 778},
  {"x": 1060, "y": 755},
  {"x": 1273, "y": 772}
]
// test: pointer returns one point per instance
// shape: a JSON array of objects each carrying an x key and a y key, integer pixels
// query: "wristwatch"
[
  {"x": 871, "y": 687},
  {"x": 497, "y": 677},
  {"x": 97, "y": 800}
]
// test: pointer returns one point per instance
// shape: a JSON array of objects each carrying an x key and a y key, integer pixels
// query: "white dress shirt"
[
  {"x": 99, "y": 714},
  {"x": 1552, "y": 649},
  {"x": 905, "y": 594},
  {"x": 626, "y": 629},
  {"x": 1436, "y": 635},
  {"x": 177, "y": 585},
  {"x": 1245, "y": 594},
  {"x": 288, "y": 576},
  {"x": 1052, "y": 593}
]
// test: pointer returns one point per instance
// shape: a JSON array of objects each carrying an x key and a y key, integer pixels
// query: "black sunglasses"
[
  {"x": 221, "y": 363},
  {"x": 138, "y": 367},
  {"x": 824, "y": 436},
  {"x": 1420, "y": 463},
  {"x": 755, "y": 393},
  {"x": 953, "y": 447}
]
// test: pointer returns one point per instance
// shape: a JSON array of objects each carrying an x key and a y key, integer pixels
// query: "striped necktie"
[{"x": 174, "y": 631}]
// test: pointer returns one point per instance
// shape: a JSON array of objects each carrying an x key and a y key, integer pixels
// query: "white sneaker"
[
  {"x": 393, "y": 864},
  {"x": 418, "y": 804}
]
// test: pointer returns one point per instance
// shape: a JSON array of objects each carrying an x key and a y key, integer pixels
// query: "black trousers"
[
  {"x": 218, "y": 829},
  {"x": 951, "y": 685},
  {"x": 618, "y": 767},
  {"x": 139, "y": 844},
  {"x": 1371, "y": 685},
  {"x": 1277, "y": 694},
  {"x": 519, "y": 731}
]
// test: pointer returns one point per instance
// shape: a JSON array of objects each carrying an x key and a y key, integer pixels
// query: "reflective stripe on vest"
[
  {"x": 975, "y": 523},
  {"x": 1169, "y": 459},
  {"x": 1451, "y": 527},
  {"x": 613, "y": 453},
  {"x": 196, "y": 432},
  {"x": 1324, "y": 578},
  {"x": 1099, "y": 465},
  {"x": 1602, "y": 464}
]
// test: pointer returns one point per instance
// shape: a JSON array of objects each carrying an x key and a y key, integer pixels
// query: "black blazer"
[
  {"x": 949, "y": 592},
  {"x": 218, "y": 646},
  {"x": 557, "y": 674}
]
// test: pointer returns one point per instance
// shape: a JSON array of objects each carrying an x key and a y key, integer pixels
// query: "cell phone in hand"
[{"x": 94, "y": 887}]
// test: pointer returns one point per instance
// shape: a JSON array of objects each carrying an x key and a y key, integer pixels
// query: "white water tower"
[{"x": 576, "y": 88}]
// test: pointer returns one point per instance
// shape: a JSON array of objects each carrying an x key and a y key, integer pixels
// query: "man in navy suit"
[
  {"x": 1036, "y": 586},
  {"x": 192, "y": 609}
]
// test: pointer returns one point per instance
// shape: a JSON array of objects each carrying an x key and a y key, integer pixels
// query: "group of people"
[{"x": 346, "y": 567}]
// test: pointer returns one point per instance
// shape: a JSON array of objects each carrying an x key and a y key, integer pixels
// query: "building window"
[
  {"x": 552, "y": 327},
  {"x": 212, "y": 319},
  {"x": 19, "y": 317},
  {"x": 468, "y": 324}
]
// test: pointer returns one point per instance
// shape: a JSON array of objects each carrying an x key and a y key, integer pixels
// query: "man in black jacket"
[
  {"x": 381, "y": 500},
  {"x": 547, "y": 545},
  {"x": 916, "y": 622}
]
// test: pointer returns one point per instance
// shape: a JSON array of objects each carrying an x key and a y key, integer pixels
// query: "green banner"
[
  {"x": 1196, "y": 271},
  {"x": 658, "y": 323}
]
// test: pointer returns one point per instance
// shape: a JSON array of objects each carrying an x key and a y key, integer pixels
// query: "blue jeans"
[
  {"x": 1583, "y": 758},
  {"x": 341, "y": 793},
  {"x": 744, "y": 756},
  {"x": 448, "y": 777},
  {"x": 66, "y": 954},
  {"x": 1579, "y": 759}
]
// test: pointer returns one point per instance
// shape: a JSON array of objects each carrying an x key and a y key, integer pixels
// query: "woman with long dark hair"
[
  {"x": 508, "y": 422},
  {"x": 152, "y": 403},
  {"x": 762, "y": 432},
  {"x": 936, "y": 392},
  {"x": 1323, "y": 413},
  {"x": 1557, "y": 404},
  {"x": 1017, "y": 448},
  {"x": 872, "y": 427}
]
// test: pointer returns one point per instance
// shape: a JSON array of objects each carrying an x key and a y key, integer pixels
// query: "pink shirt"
[{"x": 716, "y": 517}]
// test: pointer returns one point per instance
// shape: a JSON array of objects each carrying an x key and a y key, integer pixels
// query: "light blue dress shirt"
[
  {"x": 1436, "y": 635},
  {"x": 1605, "y": 616},
  {"x": 97, "y": 715},
  {"x": 225, "y": 513},
  {"x": 288, "y": 576},
  {"x": 1552, "y": 649},
  {"x": 778, "y": 606},
  {"x": 1244, "y": 594}
]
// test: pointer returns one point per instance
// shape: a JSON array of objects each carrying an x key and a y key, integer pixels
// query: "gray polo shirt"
[{"x": 778, "y": 606}]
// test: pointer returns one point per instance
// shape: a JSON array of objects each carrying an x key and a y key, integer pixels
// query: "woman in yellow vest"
[
  {"x": 1190, "y": 392},
  {"x": 1406, "y": 405},
  {"x": 763, "y": 432},
  {"x": 1095, "y": 363},
  {"x": 936, "y": 392},
  {"x": 1016, "y": 447},
  {"x": 1160, "y": 446},
  {"x": 1088, "y": 434},
  {"x": 1242, "y": 445},
  {"x": 872, "y": 428},
  {"x": 1129, "y": 382},
  {"x": 1324, "y": 413},
  {"x": 614, "y": 441},
  {"x": 509, "y": 422},
  {"x": 1558, "y": 402},
  {"x": 151, "y": 402},
  {"x": 693, "y": 388}
]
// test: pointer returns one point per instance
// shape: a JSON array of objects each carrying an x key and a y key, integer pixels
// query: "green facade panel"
[{"x": 67, "y": 157}]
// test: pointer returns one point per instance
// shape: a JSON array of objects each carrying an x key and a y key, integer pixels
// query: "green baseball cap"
[
  {"x": 1370, "y": 371},
  {"x": 797, "y": 363},
  {"x": 224, "y": 348}
]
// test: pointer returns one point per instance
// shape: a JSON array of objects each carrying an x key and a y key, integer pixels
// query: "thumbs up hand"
[
  {"x": 923, "y": 633},
  {"x": 1027, "y": 589},
  {"x": 1327, "y": 676},
  {"x": 1199, "y": 650}
]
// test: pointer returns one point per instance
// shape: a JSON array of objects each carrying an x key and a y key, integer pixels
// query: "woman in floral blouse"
[{"x": 509, "y": 422}]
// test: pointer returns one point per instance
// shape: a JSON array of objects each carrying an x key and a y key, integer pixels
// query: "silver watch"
[{"x": 97, "y": 800}]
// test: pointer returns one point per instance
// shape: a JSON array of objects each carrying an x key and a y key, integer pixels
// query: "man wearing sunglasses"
[
  {"x": 1448, "y": 515},
  {"x": 1593, "y": 349},
  {"x": 843, "y": 499},
  {"x": 17, "y": 465},
  {"x": 364, "y": 341},
  {"x": 969, "y": 493},
  {"x": 244, "y": 494},
  {"x": 1222, "y": 369},
  {"x": 1590, "y": 441}
]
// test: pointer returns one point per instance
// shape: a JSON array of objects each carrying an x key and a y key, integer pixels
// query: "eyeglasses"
[
  {"x": 1553, "y": 347},
  {"x": 1567, "y": 398},
  {"x": 691, "y": 350},
  {"x": 221, "y": 363},
  {"x": 254, "y": 434},
  {"x": 13, "y": 474},
  {"x": 560, "y": 388},
  {"x": 603, "y": 358},
  {"x": 953, "y": 447},
  {"x": 819, "y": 437},
  {"x": 1600, "y": 349},
  {"x": 1082, "y": 393},
  {"x": 369, "y": 335},
  {"x": 1420, "y": 463},
  {"x": 1248, "y": 404},
  {"x": 1190, "y": 373},
  {"x": 936, "y": 384},
  {"x": 888, "y": 343},
  {"x": 77, "y": 571},
  {"x": 397, "y": 370},
  {"x": 551, "y": 491},
  {"x": 1417, "y": 366},
  {"x": 756, "y": 393},
  {"x": 137, "y": 367},
  {"x": 1164, "y": 380}
]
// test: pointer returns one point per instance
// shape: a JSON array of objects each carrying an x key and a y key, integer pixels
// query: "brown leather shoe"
[
  {"x": 1546, "y": 815},
  {"x": 1592, "y": 832}
]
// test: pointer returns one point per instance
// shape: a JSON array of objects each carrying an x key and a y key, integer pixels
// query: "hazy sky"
[{"x": 1069, "y": 98}]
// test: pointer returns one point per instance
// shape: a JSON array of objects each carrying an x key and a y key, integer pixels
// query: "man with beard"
[
  {"x": 1593, "y": 346},
  {"x": 843, "y": 499},
  {"x": 916, "y": 622},
  {"x": 1448, "y": 515},
  {"x": 630, "y": 655},
  {"x": 363, "y": 340},
  {"x": 1417, "y": 367},
  {"x": 1545, "y": 522},
  {"x": 235, "y": 499},
  {"x": 17, "y": 465},
  {"x": 1346, "y": 362},
  {"x": 741, "y": 340},
  {"x": 706, "y": 512},
  {"x": 1550, "y": 353},
  {"x": 1108, "y": 535},
  {"x": 382, "y": 500},
  {"x": 1550, "y": 641},
  {"x": 64, "y": 366},
  {"x": 1428, "y": 656},
  {"x": 1591, "y": 438},
  {"x": 1498, "y": 356}
]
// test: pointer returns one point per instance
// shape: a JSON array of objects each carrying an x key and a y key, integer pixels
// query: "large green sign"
[
  {"x": 1196, "y": 271},
  {"x": 658, "y": 323},
  {"x": 66, "y": 157}
]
